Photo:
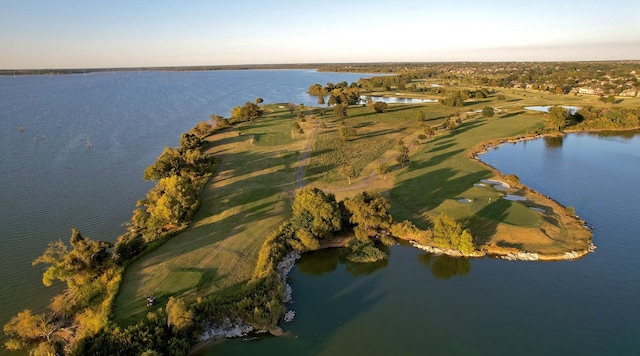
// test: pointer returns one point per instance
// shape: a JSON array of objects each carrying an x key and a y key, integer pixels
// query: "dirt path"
[{"x": 305, "y": 157}]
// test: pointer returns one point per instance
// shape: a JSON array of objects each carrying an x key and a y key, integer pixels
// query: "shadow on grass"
[
  {"x": 378, "y": 133},
  {"x": 506, "y": 116},
  {"x": 240, "y": 205},
  {"x": 483, "y": 225}
]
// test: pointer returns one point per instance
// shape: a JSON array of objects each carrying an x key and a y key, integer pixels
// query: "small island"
[{"x": 208, "y": 250}]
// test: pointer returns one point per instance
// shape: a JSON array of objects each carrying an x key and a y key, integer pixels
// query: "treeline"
[
  {"x": 590, "y": 117},
  {"x": 610, "y": 77},
  {"x": 92, "y": 270},
  {"x": 456, "y": 98},
  {"x": 180, "y": 173}
]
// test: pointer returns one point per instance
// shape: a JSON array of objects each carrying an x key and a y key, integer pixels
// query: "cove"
[{"x": 417, "y": 303}]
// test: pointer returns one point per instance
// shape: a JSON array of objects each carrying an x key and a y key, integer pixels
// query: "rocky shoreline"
[
  {"x": 238, "y": 328},
  {"x": 510, "y": 256}
]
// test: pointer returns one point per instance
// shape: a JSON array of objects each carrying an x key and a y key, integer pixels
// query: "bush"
[
  {"x": 380, "y": 106},
  {"x": 363, "y": 252}
]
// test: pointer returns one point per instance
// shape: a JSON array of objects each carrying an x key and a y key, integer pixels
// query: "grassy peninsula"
[{"x": 209, "y": 241}]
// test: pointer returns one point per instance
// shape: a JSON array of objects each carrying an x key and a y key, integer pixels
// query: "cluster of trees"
[
  {"x": 558, "y": 78},
  {"x": 318, "y": 89},
  {"x": 448, "y": 233},
  {"x": 346, "y": 95},
  {"x": 165, "y": 331},
  {"x": 91, "y": 270},
  {"x": 399, "y": 82},
  {"x": 589, "y": 117},
  {"x": 168, "y": 207},
  {"x": 247, "y": 112},
  {"x": 558, "y": 117},
  {"x": 451, "y": 123},
  {"x": 456, "y": 98},
  {"x": 91, "y": 277}
]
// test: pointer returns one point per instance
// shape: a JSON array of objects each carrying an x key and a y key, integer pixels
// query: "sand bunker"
[
  {"x": 540, "y": 210},
  {"x": 464, "y": 201},
  {"x": 497, "y": 185},
  {"x": 479, "y": 185},
  {"x": 514, "y": 197}
]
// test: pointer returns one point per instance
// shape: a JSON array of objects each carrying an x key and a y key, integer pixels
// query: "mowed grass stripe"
[{"x": 247, "y": 199}]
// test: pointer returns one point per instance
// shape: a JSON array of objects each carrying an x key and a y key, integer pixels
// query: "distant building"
[
  {"x": 590, "y": 90},
  {"x": 629, "y": 92}
]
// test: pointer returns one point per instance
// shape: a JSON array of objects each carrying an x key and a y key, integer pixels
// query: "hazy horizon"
[{"x": 72, "y": 34}]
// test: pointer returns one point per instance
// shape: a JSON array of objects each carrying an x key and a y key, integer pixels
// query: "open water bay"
[
  {"x": 418, "y": 304},
  {"x": 73, "y": 149}
]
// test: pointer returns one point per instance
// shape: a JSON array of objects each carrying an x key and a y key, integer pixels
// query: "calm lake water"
[
  {"x": 417, "y": 303},
  {"x": 73, "y": 149}
]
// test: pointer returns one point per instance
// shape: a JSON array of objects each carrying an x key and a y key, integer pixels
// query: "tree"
[
  {"x": 179, "y": 317},
  {"x": 321, "y": 100},
  {"x": 383, "y": 169},
  {"x": 428, "y": 130},
  {"x": 309, "y": 242},
  {"x": 501, "y": 98},
  {"x": 403, "y": 156},
  {"x": 488, "y": 112},
  {"x": 259, "y": 101},
  {"x": 169, "y": 202},
  {"x": 190, "y": 142},
  {"x": 448, "y": 233},
  {"x": 347, "y": 171},
  {"x": 77, "y": 266},
  {"x": 248, "y": 112},
  {"x": 340, "y": 111},
  {"x": 170, "y": 162},
  {"x": 557, "y": 117},
  {"x": 370, "y": 213},
  {"x": 380, "y": 106},
  {"x": 317, "y": 212},
  {"x": 291, "y": 107},
  {"x": 611, "y": 99},
  {"x": 513, "y": 180},
  {"x": 347, "y": 133},
  {"x": 201, "y": 129},
  {"x": 26, "y": 328},
  {"x": 421, "y": 116}
]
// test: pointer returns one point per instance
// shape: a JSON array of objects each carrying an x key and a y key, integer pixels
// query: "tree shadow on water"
[
  {"x": 321, "y": 262},
  {"x": 445, "y": 267}
]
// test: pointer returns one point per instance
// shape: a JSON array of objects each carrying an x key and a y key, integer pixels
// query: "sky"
[{"x": 127, "y": 33}]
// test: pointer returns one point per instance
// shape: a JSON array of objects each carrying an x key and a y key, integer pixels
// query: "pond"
[
  {"x": 397, "y": 100},
  {"x": 572, "y": 109}
]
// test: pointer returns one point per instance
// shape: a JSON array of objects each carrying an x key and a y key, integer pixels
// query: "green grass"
[
  {"x": 248, "y": 198},
  {"x": 440, "y": 173},
  {"x": 376, "y": 134},
  {"x": 251, "y": 192}
]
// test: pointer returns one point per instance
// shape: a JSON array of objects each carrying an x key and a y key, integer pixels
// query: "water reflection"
[
  {"x": 317, "y": 263},
  {"x": 622, "y": 134},
  {"x": 444, "y": 267},
  {"x": 553, "y": 141}
]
